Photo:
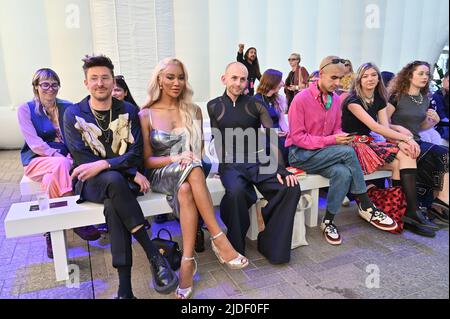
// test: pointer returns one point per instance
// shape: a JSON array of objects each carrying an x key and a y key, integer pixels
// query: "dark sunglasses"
[
  {"x": 334, "y": 61},
  {"x": 292, "y": 59}
]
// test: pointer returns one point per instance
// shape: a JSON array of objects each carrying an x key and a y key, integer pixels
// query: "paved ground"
[{"x": 409, "y": 266}]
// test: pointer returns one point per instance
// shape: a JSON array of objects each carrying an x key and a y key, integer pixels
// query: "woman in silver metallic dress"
[{"x": 173, "y": 146}]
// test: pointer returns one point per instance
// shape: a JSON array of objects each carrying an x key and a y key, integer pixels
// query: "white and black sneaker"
[
  {"x": 377, "y": 218},
  {"x": 330, "y": 232}
]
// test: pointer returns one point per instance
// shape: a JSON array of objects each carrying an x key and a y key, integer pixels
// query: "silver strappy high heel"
[
  {"x": 237, "y": 263},
  {"x": 186, "y": 293}
]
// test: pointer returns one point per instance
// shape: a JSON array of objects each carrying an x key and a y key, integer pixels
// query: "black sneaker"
[
  {"x": 87, "y": 232},
  {"x": 165, "y": 280},
  {"x": 48, "y": 240}
]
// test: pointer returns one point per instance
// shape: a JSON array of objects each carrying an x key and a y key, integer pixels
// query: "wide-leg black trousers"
[{"x": 239, "y": 180}]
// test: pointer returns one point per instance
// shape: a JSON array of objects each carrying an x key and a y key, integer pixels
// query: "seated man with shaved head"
[
  {"x": 318, "y": 146},
  {"x": 236, "y": 120}
]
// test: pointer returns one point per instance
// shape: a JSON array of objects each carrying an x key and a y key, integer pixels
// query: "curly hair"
[{"x": 400, "y": 84}]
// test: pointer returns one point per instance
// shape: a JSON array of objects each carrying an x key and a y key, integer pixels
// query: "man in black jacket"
[
  {"x": 236, "y": 120},
  {"x": 104, "y": 137}
]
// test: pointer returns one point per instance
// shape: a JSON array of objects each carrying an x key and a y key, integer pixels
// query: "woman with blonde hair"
[
  {"x": 297, "y": 79},
  {"x": 172, "y": 131}
]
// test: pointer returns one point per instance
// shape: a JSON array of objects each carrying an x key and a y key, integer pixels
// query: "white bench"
[
  {"x": 22, "y": 222},
  {"x": 28, "y": 187}
]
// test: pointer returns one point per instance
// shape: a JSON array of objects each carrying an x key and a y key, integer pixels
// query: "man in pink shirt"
[{"x": 318, "y": 146}]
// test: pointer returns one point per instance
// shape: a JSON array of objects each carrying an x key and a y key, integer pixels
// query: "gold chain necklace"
[{"x": 99, "y": 117}]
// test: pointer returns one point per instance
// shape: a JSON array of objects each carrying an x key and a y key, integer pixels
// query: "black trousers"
[
  {"x": 274, "y": 242},
  {"x": 122, "y": 212}
]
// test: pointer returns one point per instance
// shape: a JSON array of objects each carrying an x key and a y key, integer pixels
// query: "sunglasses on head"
[{"x": 334, "y": 61}]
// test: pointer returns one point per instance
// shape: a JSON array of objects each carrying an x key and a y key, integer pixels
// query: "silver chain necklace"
[{"x": 418, "y": 101}]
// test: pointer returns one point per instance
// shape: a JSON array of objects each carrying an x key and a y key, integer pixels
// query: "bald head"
[
  {"x": 331, "y": 72},
  {"x": 235, "y": 79},
  {"x": 236, "y": 67}
]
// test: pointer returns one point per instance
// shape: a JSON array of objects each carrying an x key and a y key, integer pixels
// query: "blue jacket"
[{"x": 45, "y": 130}]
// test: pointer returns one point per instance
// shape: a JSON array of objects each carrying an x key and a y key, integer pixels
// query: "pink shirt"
[{"x": 311, "y": 125}]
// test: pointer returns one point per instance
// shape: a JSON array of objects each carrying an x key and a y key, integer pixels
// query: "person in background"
[
  {"x": 387, "y": 76},
  {"x": 410, "y": 113},
  {"x": 348, "y": 77},
  {"x": 121, "y": 90},
  {"x": 250, "y": 60},
  {"x": 440, "y": 102},
  {"x": 275, "y": 104},
  {"x": 44, "y": 155},
  {"x": 313, "y": 77},
  {"x": 297, "y": 79}
]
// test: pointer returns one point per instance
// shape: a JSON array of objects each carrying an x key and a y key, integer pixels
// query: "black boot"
[
  {"x": 419, "y": 230},
  {"x": 200, "y": 240},
  {"x": 413, "y": 216},
  {"x": 164, "y": 278},
  {"x": 420, "y": 219}
]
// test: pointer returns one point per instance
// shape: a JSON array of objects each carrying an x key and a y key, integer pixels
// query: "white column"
[
  {"x": 328, "y": 31},
  {"x": 253, "y": 25},
  {"x": 69, "y": 40},
  {"x": 304, "y": 36},
  {"x": 223, "y": 42},
  {"x": 278, "y": 36},
  {"x": 373, "y": 26},
  {"x": 192, "y": 43}
]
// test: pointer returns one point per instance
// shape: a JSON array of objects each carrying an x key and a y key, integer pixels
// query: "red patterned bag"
[
  {"x": 368, "y": 158},
  {"x": 391, "y": 201}
]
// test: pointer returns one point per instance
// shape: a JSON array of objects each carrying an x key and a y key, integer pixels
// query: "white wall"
[
  {"x": 36, "y": 34},
  {"x": 204, "y": 34},
  {"x": 407, "y": 30}
]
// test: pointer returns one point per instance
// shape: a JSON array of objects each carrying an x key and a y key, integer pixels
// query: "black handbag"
[{"x": 169, "y": 249}]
